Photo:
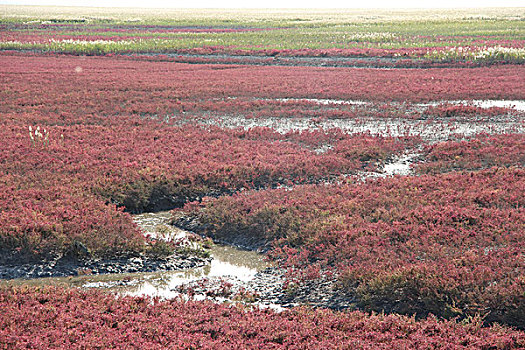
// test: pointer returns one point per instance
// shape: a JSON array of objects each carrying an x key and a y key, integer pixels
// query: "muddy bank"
[
  {"x": 68, "y": 266},
  {"x": 188, "y": 255},
  {"x": 376, "y": 62},
  {"x": 270, "y": 289},
  {"x": 357, "y": 62},
  {"x": 323, "y": 60},
  {"x": 238, "y": 271},
  {"x": 290, "y": 61}
]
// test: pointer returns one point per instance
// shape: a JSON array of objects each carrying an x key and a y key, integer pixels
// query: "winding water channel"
[{"x": 228, "y": 264}]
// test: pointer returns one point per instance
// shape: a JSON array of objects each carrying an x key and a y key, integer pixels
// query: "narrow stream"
[{"x": 229, "y": 263}]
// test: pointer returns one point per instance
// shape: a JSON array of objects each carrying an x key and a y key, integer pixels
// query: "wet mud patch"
[
  {"x": 429, "y": 130},
  {"x": 270, "y": 289},
  {"x": 287, "y": 60},
  {"x": 432, "y": 122},
  {"x": 400, "y": 165},
  {"x": 73, "y": 267}
]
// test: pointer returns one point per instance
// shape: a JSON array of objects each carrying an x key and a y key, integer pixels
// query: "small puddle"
[
  {"x": 228, "y": 263},
  {"x": 401, "y": 165}
]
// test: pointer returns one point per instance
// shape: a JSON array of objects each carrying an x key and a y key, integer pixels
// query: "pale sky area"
[{"x": 276, "y": 3}]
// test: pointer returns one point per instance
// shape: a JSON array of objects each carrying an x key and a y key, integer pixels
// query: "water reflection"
[{"x": 228, "y": 263}]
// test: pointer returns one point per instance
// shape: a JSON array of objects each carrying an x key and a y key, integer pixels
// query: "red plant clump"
[
  {"x": 43, "y": 223},
  {"x": 483, "y": 151},
  {"x": 446, "y": 244},
  {"x": 448, "y": 110},
  {"x": 54, "y": 187},
  {"x": 53, "y": 318}
]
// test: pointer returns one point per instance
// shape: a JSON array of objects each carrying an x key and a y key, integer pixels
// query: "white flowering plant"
[{"x": 38, "y": 138}]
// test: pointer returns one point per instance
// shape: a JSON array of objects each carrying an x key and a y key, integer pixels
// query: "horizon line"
[{"x": 266, "y": 8}]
